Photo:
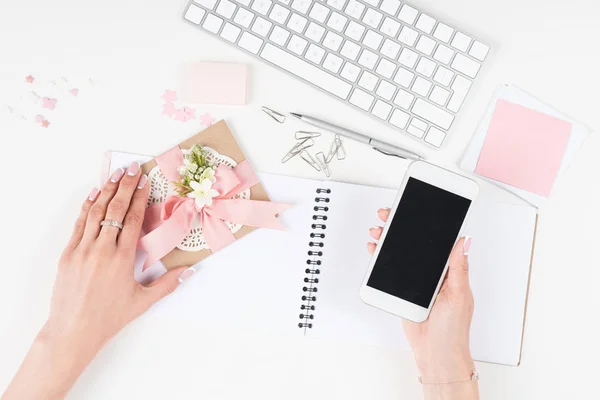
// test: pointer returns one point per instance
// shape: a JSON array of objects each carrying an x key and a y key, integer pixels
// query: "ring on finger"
[{"x": 113, "y": 223}]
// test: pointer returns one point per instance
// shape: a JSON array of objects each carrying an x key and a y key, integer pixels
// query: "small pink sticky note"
[
  {"x": 49, "y": 103},
  {"x": 523, "y": 148}
]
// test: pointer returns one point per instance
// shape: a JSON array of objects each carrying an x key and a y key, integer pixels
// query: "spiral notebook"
[{"x": 305, "y": 281}]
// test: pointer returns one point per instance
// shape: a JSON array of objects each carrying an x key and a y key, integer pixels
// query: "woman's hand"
[
  {"x": 441, "y": 343},
  {"x": 95, "y": 294}
]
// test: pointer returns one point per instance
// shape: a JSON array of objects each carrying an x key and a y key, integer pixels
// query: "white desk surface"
[{"x": 133, "y": 49}]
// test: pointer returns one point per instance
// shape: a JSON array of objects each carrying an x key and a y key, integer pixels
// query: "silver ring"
[{"x": 110, "y": 222}]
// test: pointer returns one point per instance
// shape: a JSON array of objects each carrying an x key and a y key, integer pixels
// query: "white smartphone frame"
[{"x": 442, "y": 179}]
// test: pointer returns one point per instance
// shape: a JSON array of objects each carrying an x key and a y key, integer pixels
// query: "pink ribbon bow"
[{"x": 168, "y": 223}]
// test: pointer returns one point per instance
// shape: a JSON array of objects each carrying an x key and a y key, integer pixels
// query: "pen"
[{"x": 382, "y": 147}]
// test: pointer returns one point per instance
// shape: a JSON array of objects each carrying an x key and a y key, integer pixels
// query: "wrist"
[{"x": 448, "y": 368}]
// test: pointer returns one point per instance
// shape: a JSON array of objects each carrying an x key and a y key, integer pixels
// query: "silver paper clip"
[
  {"x": 279, "y": 117},
  {"x": 341, "y": 152},
  {"x": 323, "y": 163},
  {"x": 309, "y": 160},
  {"x": 301, "y": 135},
  {"x": 298, "y": 147}
]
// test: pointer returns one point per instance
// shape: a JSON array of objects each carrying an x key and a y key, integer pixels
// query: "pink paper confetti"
[
  {"x": 39, "y": 119},
  {"x": 29, "y": 79},
  {"x": 207, "y": 119},
  {"x": 170, "y": 96},
  {"x": 168, "y": 109},
  {"x": 190, "y": 111},
  {"x": 45, "y": 123},
  {"x": 181, "y": 115},
  {"x": 49, "y": 103},
  {"x": 74, "y": 92}
]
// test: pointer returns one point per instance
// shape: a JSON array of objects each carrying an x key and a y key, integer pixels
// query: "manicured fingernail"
[
  {"x": 117, "y": 175},
  {"x": 133, "y": 168},
  {"x": 143, "y": 181},
  {"x": 186, "y": 274},
  {"x": 375, "y": 228},
  {"x": 466, "y": 245},
  {"x": 93, "y": 194}
]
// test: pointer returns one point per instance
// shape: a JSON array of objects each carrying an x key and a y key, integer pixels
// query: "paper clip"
[
  {"x": 298, "y": 147},
  {"x": 341, "y": 152},
  {"x": 279, "y": 117},
  {"x": 323, "y": 163},
  {"x": 301, "y": 135},
  {"x": 309, "y": 160}
]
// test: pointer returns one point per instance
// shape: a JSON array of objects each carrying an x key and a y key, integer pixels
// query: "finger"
[
  {"x": 79, "y": 227},
  {"x": 166, "y": 284},
  {"x": 383, "y": 214},
  {"x": 458, "y": 270},
  {"x": 376, "y": 232},
  {"x": 132, "y": 224},
  {"x": 119, "y": 205},
  {"x": 371, "y": 247},
  {"x": 97, "y": 212}
]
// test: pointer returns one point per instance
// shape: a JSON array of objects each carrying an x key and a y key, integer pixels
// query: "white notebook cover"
[{"x": 257, "y": 283}]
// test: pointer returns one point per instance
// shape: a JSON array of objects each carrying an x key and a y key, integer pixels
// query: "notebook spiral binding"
[{"x": 313, "y": 262}]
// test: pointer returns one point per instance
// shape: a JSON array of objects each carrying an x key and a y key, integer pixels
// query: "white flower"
[
  {"x": 203, "y": 193},
  {"x": 209, "y": 174},
  {"x": 191, "y": 166},
  {"x": 182, "y": 170}
]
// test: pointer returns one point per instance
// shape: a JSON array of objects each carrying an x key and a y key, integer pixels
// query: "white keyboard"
[{"x": 382, "y": 56}]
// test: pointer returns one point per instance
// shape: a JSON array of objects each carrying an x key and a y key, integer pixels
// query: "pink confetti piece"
[
  {"x": 49, "y": 103},
  {"x": 168, "y": 109},
  {"x": 74, "y": 91},
  {"x": 170, "y": 96},
  {"x": 190, "y": 111},
  {"x": 29, "y": 79},
  {"x": 207, "y": 119},
  {"x": 39, "y": 119},
  {"x": 181, "y": 115},
  {"x": 45, "y": 123}
]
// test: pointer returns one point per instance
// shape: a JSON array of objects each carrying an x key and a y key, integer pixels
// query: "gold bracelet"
[{"x": 474, "y": 378}]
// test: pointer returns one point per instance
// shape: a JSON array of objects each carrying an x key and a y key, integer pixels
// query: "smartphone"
[{"x": 411, "y": 260}]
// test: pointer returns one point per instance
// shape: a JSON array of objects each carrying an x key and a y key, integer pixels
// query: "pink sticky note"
[
  {"x": 215, "y": 83},
  {"x": 523, "y": 148}
]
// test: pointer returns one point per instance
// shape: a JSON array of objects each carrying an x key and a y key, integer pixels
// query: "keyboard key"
[
  {"x": 262, "y": 6},
  {"x": 337, "y": 22},
  {"x": 386, "y": 68},
  {"x": 210, "y": 4},
  {"x": 404, "y": 99},
  {"x": 301, "y": 6},
  {"x": 243, "y": 17},
  {"x": 408, "y": 58},
  {"x": 374, "y": 3},
  {"x": 361, "y": 99},
  {"x": 332, "y": 41},
  {"x": 386, "y": 90},
  {"x": 390, "y": 49},
  {"x": 443, "y": 32},
  {"x": 461, "y": 41},
  {"x": 350, "y": 72},
  {"x": 212, "y": 23},
  {"x": 306, "y": 71},
  {"x": 355, "y": 31},
  {"x": 355, "y": 9},
  {"x": 417, "y": 123},
  {"x": 466, "y": 65},
  {"x": 372, "y": 40},
  {"x": 408, "y": 36},
  {"x": 390, "y": 27},
  {"x": 279, "y": 35},
  {"x": 432, "y": 113},
  {"x": 261, "y": 26},
  {"x": 443, "y": 76},
  {"x": 279, "y": 14},
  {"x": 479, "y": 50},
  {"x": 194, "y": 14},
  {"x": 408, "y": 14},
  {"x": 333, "y": 63},
  {"x": 425, "y": 23},
  {"x": 337, "y": 4},
  {"x": 461, "y": 87},
  {"x": 416, "y": 128},
  {"x": 226, "y": 8},
  {"x": 250, "y": 42},
  {"x": 368, "y": 81},
  {"x": 350, "y": 50},
  {"x": 372, "y": 18},
  {"x": 443, "y": 54},
  {"x": 297, "y": 23},
  {"x": 368, "y": 59},
  {"x": 435, "y": 136},
  {"x": 381, "y": 110},
  {"x": 230, "y": 32},
  {"x": 426, "y": 45},
  {"x": 390, "y": 6},
  {"x": 404, "y": 77},
  {"x": 315, "y": 32},
  {"x": 297, "y": 44},
  {"x": 421, "y": 86},
  {"x": 319, "y": 12},
  {"x": 243, "y": 2},
  {"x": 439, "y": 95},
  {"x": 314, "y": 54},
  {"x": 426, "y": 67},
  {"x": 399, "y": 119}
]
